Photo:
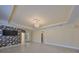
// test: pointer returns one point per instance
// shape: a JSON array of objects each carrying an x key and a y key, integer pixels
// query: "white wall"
[
  {"x": 66, "y": 35},
  {"x": 61, "y": 35},
  {"x": 36, "y": 36}
]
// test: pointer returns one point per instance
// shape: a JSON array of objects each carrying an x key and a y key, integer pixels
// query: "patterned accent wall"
[{"x": 9, "y": 40}]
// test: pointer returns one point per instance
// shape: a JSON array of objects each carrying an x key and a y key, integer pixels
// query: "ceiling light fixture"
[{"x": 36, "y": 23}]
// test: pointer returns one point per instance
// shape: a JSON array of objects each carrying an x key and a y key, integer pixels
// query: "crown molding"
[
  {"x": 22, "y": 26},
  {"x": 53, "y": 25},
  {"x": 58, "y": 24},
  {"x": 44, "y": 27},
  {"x": 70, "y": 14},
  {"x": 12, "y": 13}
]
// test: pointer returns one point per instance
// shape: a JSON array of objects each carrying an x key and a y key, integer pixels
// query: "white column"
[{"x": 22, "y": 38}]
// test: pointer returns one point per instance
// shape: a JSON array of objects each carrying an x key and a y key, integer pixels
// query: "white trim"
[
  {"x": 60, "y": 45},
  {"x": 14, "y": 24},
  {"x": 51, "y": 25},
  {"x": 20, "y": 26},
  {"x": 63, "y": 23},
  {"x": 54, "y": 25},
  {"x": 70, "y": 14}
]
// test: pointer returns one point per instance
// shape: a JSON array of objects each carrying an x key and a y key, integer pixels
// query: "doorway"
[
  {"x": 22, "y": 38},
  {"x": 42, "y": 37}
]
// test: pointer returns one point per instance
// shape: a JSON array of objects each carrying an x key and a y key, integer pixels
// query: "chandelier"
[{"x": 36, "y": 23}]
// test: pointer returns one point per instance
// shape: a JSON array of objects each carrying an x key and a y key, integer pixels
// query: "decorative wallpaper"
[{"x": 9, "y": 40}]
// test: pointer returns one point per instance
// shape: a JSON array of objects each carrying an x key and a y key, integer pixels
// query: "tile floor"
[{"x": 37, "y": 48}]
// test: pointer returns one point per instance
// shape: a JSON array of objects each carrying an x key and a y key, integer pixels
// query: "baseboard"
[{"x": 65, "y": 46}]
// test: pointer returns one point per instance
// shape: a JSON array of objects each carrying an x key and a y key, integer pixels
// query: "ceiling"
[
  {"x": 5, "y": 11},
  {"x": 47, "y": 14}
]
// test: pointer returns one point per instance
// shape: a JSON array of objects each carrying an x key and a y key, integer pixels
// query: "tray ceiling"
[{"x": 47, "y": 14}]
